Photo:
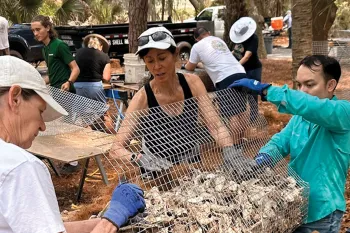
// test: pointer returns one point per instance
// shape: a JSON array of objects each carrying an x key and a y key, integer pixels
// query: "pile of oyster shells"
[{"x": 212, "y": 202}]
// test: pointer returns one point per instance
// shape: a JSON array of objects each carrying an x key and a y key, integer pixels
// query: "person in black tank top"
[
  {"x": 171, "y": 115},
  {"x": 167, "y": 136}
]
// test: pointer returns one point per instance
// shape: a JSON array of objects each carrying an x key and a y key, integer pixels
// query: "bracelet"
[{"x": 70, "y": 82}]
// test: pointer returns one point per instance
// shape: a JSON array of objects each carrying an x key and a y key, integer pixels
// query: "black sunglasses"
[{"x": 157, "y": 36}]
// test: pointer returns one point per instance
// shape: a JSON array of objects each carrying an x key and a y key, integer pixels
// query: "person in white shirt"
[
  {"x": 28, "y": 202},
  {"x": 223, "y": 69},
  {"x": 4, "y": 41},
  {"x": 287, "y": 20}
]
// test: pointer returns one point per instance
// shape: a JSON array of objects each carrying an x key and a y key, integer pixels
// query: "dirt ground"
[{"x": 96, "y": 194}]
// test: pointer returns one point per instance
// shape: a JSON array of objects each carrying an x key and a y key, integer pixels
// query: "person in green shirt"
[
  {"x": 62, "y": 68},
  {"x": 317, "y": 138},
  {"x": 63, "y": 71}
]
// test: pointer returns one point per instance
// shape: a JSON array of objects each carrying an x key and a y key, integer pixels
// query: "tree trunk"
[
  {"x": 323, "y": 14},
  {"x": 152, "y": 12},
  {"x": 170, "y": 4},
  {"x": 302, "y": 33},
  {"x": 163, "y": 9},
  {"x": 257, "y": 12},
  {"x": 198, "y": 5},
  {"x": 312, "y": 20},
  {"x": 234, "y": 10},
  {"x": 137, "y": 21}
]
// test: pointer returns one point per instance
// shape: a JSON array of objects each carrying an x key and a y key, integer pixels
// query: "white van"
[{"x": 214, "y": 13}]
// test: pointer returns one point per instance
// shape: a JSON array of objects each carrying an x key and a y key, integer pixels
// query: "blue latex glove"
[
  {"x": 251, "y": 86},
  {"x": 127, "y": 201},
  {"x": 264, "y": 159}
]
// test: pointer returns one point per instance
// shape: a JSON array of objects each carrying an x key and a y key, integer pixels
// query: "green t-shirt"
[{"x": 57, "y": 57}]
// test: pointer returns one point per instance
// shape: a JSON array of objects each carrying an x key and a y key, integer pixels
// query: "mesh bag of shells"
[{"x": 195, "y": 161}]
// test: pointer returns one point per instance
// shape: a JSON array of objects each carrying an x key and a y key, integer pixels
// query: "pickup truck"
[
  {"x": 23, "y": 44},
  {"x": 117, "y": 36},
  {"x": 214, "y": 14}
]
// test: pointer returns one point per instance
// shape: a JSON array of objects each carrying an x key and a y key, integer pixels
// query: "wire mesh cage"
[
  {"x": 337, "y": 48},
  {"x": 194, "y": 159}
]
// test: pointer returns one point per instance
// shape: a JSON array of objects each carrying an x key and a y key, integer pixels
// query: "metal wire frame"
[
  {"x": 196, "y": 188},
  {"x": 339, "y": 49}
]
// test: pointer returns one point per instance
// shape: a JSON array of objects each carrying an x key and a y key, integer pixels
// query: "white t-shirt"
[
  {"x": 217, "y": 59},
  {"x": 28, "y": 201},
  {"x": 4, "y": 40}
]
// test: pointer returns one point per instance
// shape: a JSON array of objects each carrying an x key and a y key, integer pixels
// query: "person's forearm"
[
  {"x": 245, "y": 58},
  {"x": 74, "y": 74},
  {"x": 92, "y": 225},
  {"x": 47, "y": 80},
  {"x": 105, "y": 226},
  {"x": 212, "y": 120},
  {"x": 333, "y": 115}
]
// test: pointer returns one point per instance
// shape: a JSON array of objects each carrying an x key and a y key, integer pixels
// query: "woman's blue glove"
[
  {"x": 250, "y": 86},
  {"x": 127, "y": 201},
  {"x": 263, "y": 159}
]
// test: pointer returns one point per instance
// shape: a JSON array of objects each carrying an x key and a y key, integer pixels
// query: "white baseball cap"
[
  {"x": 242, "y": 30},
  {"x": 165, "y": 43},
  {"x": 15, "y": 71}
]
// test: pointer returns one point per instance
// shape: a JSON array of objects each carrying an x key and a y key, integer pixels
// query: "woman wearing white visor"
[{"x": 170, "y": 134}]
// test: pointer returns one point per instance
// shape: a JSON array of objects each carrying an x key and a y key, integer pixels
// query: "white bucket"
[{"x": 134, "y": 68}]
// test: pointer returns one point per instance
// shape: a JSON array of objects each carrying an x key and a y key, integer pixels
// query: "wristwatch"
[{"x": 70, "y": 82}]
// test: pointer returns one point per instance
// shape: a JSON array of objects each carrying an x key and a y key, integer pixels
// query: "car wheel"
[{"x": 16, "y": 54}]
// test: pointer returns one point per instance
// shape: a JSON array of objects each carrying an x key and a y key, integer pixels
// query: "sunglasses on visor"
[{"x": 157, "y": 36}]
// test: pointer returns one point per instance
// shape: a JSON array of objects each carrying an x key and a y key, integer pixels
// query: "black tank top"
[{"x": 170, "y": 136}]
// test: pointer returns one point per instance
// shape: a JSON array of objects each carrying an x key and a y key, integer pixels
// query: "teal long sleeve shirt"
[{"x": 318, "y": 140}]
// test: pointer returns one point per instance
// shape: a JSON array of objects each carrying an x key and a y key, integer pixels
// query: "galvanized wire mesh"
[
  {"x": 82, "y": 112},
  {"x": 195, "y": 180},
  {"x": 339, "y": 49}
]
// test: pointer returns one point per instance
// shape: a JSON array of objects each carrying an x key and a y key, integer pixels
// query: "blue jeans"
[
  {"x": 91, "y": 90},
  {"x": 329, "y": 224},
  {"x": 256, "y": 75}
]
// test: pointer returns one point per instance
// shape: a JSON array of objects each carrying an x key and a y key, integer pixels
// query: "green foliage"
[
  {"x": 49, "y": 7},
  {"x": 104, "y": 11},
  {"x": 68, "y": 7},
  {"x": 342, "y": 21},
  {"x": 20, "y": 11}
]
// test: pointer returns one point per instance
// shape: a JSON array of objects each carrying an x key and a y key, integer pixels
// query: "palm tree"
[
  {"x": 66, "y": 10},
  {"x": 103, "y": 11},
  {"x": 22, "y": 11}
]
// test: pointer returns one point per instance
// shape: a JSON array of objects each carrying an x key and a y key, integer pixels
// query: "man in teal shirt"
[{"x": 317, "y": 137}]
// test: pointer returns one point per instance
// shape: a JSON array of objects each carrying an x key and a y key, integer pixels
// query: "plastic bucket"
[
  {"x": 277, "y": 23},
  {"x": 134, "y": 68}
]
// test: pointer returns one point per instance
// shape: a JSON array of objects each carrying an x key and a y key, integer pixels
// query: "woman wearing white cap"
[
  {"x": 28, "y": 202},
  {"x": 170, "y": 134},
  {"x": 242, "y": 33},
  {"x": 95, "y": 67}
]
